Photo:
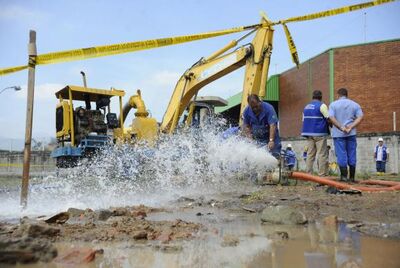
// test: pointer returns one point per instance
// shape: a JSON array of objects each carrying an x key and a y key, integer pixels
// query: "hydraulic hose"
[{"x": 390, "y": 186}]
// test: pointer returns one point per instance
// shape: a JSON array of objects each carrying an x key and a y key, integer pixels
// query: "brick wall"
[
  {"x": 371, "y": 73},
  {"x": 296, "y": 86}
]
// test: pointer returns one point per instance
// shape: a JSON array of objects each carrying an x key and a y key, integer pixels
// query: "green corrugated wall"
[{"x": 272, "y": 89}]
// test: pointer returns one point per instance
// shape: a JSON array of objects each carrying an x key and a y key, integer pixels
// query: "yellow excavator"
[
  {"x": 83, "y": 127},
  {"x": 255, "y": 55}
]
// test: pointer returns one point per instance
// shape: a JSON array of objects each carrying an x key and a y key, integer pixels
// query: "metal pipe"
[
  {"x": 121, "y": 117},
  {"x": 137, "y": 103},
  {"x": 71, "y": 117},
  {"x": 84, "y": 78},
  {"x": 87, "y": 98},
  {"x": 231, "y": 44}
]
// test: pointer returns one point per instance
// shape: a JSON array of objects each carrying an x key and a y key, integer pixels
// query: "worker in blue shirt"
[
  {"x": 345, "y": 116},
  {"x": 261, "y": 124},
  {"x": 316, "y": 130},
  {"x": 290, "y": 157},
  {"x": 381, "y": 156}
]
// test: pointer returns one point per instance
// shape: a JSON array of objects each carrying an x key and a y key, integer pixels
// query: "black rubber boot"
[
  {"x": 343, "y": 173},
  {"x": 352, "y": 173}
]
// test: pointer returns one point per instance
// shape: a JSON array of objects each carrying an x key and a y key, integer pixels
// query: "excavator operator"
[{"x": 260, "y": 123}]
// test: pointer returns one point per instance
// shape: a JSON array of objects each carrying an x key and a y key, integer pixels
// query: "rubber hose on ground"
[{"x": 344, "y": 186}]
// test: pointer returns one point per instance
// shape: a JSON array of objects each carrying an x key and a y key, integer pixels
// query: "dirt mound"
[{"x": 32, "y": 240}]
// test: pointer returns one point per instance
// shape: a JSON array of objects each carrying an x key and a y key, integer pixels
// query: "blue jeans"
[
  {"x": 380, "y": 166},
  {"x": 346, "y": 150}
]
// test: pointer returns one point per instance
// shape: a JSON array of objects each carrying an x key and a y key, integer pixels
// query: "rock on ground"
[
  {"x": 26, "y": 250},
  {"x": 35, "y": 230},
  {"x": 283, "y": 215}
]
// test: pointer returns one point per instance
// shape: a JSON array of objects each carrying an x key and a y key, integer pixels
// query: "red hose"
[
  {"x": 394, "y": 186},
  {"x": 380, "y": 182}
]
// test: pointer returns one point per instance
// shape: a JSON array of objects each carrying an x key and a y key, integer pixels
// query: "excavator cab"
[{"x": 203, "y": 111}]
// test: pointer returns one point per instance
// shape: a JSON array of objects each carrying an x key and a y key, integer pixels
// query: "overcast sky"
[{"x": 62, "y": 25}]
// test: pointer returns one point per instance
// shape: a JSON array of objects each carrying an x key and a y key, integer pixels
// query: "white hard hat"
[
  {"x": 289, "y": 146},
  {"x": 380, "y": 139}
]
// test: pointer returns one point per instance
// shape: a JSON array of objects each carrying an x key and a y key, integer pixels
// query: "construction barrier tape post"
[{"x": 101, "y": 51}]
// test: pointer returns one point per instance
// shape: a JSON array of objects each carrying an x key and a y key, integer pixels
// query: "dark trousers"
[{"x": 381, "y": 166}]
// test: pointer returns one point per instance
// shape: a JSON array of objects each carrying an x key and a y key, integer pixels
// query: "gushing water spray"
[{"x": 191, "y": 161}]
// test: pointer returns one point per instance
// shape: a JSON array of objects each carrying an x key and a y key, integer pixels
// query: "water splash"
[{"x": 195, "y": 161}]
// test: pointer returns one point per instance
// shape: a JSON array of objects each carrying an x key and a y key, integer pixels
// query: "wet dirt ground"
[{"x": 216, "y": 230}]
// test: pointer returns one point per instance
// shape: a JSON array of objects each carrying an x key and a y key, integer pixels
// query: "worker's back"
[{"x": 345, "y": 111}]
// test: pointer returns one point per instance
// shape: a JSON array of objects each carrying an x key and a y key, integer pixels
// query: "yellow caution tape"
[
  {"x": 12, "y": 70},
  {"x": 332, "y": 12},
  {"x": 292, "y": 46},
  {"x": 335, "y": 11},
  {"x": 101, "y": 51}
]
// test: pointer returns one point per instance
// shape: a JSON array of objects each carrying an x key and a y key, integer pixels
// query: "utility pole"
[
  {"x": 365, "y": 27},
  {"x": 32, "y": 52}
]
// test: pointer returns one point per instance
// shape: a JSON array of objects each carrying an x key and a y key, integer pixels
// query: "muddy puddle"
[{"x": 239, "y": 239}]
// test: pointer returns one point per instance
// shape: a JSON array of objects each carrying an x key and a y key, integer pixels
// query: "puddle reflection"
[
  {"x": 310, "y": 246},
  {"x": 318, "y": 246},
  {"x": 255, "y": 245}
]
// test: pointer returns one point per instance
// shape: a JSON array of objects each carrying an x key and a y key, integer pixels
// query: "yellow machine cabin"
[{"x": 83, "y": 121}]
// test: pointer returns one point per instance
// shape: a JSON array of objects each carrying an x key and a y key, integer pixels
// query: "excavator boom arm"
[
  {"x": 195, "y": 79},
  {"x": 256, "y": 57}
]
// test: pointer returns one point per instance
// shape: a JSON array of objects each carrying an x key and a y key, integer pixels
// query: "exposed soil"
[
  {"x": 316, "y": 203},
  {"x": 374, "y": 214},
  {"x": 366, "y": 211}
]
